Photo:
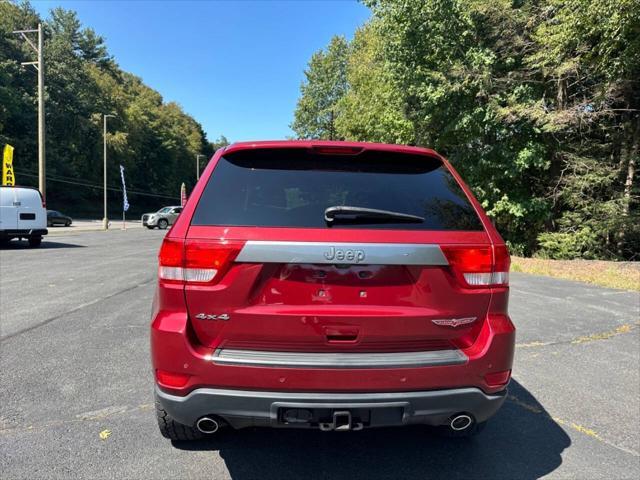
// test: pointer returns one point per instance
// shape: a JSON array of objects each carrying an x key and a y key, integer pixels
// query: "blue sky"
[{"x": 235, "y": 66}]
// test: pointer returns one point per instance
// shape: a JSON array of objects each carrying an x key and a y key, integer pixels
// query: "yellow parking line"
[{"x": 603, "y": 335}]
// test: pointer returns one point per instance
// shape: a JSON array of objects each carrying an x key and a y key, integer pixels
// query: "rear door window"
[{"x": 294, "y": 187}]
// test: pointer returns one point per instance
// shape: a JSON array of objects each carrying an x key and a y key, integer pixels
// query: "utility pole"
[
  {"x": 198, "y": 165},
  {"x": 105, "y": 220},
  {"x": 39, "y": 66}
]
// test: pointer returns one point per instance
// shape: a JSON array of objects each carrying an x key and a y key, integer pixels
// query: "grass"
[{"x": 623, "y": 275}]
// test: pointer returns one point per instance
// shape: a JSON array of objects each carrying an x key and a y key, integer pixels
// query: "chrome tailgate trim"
[
  {"x": 255, "y": 251},
  {"x": 257, "y": 358}
]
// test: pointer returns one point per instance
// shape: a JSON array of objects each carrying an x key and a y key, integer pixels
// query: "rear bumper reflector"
[
  {"x": 258, "y": 358},
  {"x": 342, "y": 253}
]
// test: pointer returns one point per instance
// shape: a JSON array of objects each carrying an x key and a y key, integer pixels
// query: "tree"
[
  {"x": 536, "y": 102},
  {"x": 588, "y": 53},
  {"x": 325, "y": 85},
  {"x": 219, "y": 142},
  {"x": 372, "y": 108},
  {"x": 456, "y": 64},
  {"x": 155, "y": 140}
]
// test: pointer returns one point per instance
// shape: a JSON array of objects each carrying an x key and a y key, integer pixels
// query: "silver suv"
[{"x": 162, "y": 218}]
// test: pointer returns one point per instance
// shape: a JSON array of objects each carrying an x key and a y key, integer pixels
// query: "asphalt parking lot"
[{"x": 76, "y": 386}]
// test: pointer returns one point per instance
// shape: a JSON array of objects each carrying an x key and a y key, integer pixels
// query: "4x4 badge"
[
  {"x": 206, "y": 316},
  {"x": 454, "y": 322}
]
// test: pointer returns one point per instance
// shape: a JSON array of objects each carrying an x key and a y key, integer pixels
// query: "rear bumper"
[
  {"x": 245, "y": 408},
  {"x": 32, "y": 232}
]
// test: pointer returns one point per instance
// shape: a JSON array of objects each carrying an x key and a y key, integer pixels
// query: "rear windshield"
[{"x": 294, "y": 187}]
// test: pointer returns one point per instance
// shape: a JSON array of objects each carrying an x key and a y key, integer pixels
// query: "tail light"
[
  {"x": 195, "y": 261},
  {"x": 484, "y": 266}
]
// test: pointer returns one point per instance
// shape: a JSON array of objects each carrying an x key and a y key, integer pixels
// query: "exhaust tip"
[
  {"x": 460, "y": 422},
  {"x": 207, "y": 425}
]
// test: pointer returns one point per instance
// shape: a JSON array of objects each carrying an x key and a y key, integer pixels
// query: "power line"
[{"x": 90, "y": 185}]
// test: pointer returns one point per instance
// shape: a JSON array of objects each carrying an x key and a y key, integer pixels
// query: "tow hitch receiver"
[{"x": 342, "y": 422}]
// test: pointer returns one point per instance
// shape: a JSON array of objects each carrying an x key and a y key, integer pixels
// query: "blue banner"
[{"x": 125, "y": 203}]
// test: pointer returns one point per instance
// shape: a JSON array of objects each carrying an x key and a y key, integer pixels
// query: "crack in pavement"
[
  {"x": 76, "y": 309},
  {"x": 564, "y": 423}
]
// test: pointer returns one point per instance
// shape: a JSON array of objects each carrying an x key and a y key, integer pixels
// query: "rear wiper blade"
[{"x": 347, "y": 213}]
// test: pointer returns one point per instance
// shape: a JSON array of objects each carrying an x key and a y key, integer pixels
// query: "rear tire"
[
  {"x": 162, "y": 224},
  {"x": 35, "y": 242},
  {"x": 68, "y": 224},
  {"x": 173, "y": 430}
]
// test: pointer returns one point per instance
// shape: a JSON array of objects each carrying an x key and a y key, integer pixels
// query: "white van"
[{"x": 22, "y": 215}]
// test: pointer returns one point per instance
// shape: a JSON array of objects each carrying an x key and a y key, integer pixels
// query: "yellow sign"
[{"x": 8, "y": 178}]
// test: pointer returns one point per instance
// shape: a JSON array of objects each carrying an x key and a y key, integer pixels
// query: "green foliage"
[
  {"x": 584, "y": 243},
  {"x": 219, "y": 142},
  {"x": 155, "y": 141},
  {"x": 371, "y": 109},
  {"x": 536, "y": 102},
  {"x": 326, "y": 83}
]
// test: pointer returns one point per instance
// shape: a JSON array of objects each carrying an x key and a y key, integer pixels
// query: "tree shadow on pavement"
[{"x": 520, "y": 442}]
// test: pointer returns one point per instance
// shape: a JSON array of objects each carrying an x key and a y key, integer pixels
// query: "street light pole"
[
  {"x": 198, "y": 165},
  {"x": 105, "y": 220},
  {"x": 39, "y": 66}
]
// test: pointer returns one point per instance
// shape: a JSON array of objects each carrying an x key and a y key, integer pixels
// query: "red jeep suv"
[{"x": 330, "y": 285}]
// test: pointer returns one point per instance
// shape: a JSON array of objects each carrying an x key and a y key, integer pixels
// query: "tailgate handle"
[{"x": 341, "y": 334}]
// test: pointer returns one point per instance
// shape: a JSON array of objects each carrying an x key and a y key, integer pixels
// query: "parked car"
[
  {"x": 22, "y": 215},
  {"x": 162, "y": 218},
  {"x": 330, "y": 285},
  {"x": 54, "y": 218}
]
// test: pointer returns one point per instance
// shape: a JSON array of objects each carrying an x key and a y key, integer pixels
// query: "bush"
[{"x": 566, "y": 246}]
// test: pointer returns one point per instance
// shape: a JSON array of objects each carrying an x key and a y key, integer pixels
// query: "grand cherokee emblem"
[
  {"x": 340, "y": 254},
  {"x": 454, "y": 322}
]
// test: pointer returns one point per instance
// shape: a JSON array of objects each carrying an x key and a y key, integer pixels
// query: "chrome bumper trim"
[{"x": 338, "y": 360}]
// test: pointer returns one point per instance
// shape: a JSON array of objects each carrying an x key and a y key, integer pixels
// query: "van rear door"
[
  {"x": 8, "y": 209},
  {"x": 31, "y": 214}
]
